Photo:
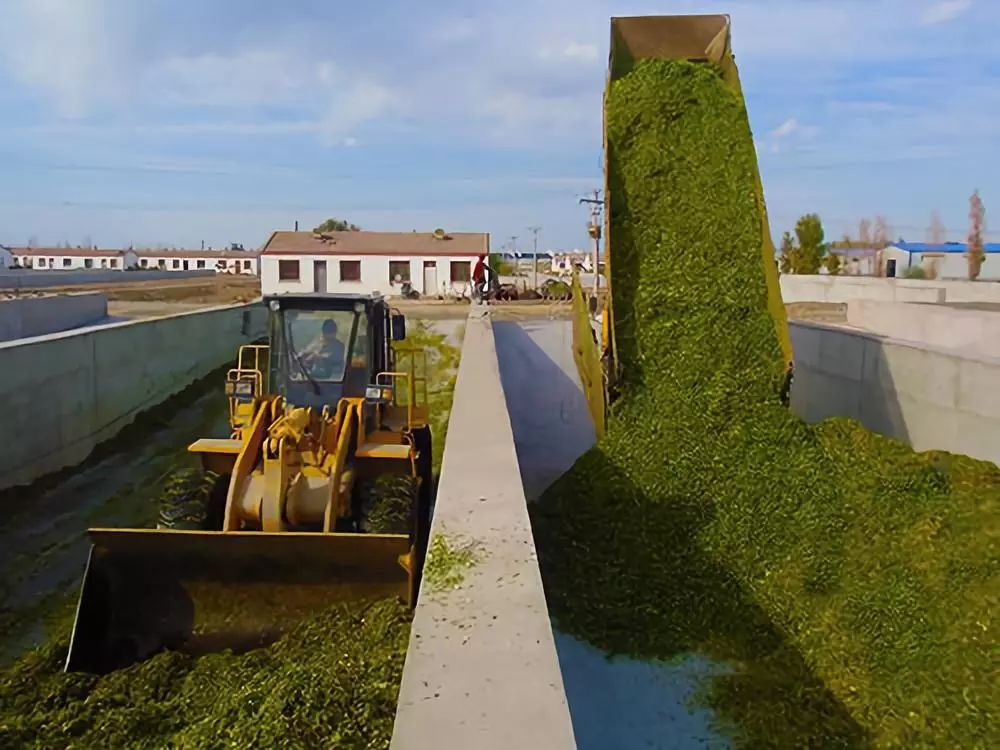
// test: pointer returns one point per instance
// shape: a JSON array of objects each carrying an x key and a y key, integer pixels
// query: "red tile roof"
[
  {"x": 209, "y": 254},
  {"x": 70, "y": 252},
  {"x": 377, "y": 243}
]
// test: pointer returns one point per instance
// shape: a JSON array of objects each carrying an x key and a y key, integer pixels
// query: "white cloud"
[
  {"x": 579, "y": 51},
  {"x": 944, "y": 11},
  {"x": 786, "y": 128}
]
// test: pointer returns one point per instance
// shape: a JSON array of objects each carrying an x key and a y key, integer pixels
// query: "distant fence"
[
  {"x": 30, "y": 279},
  {"x": 800, "y": 288},
  {"x": 36, "y": 316}
]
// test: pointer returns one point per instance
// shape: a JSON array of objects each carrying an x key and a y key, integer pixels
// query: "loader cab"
[{"x": 325, "y": 347}]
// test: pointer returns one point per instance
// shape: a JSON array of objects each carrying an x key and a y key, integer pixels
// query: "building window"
[
  {"x": 176, "y": 263},
  {"x": 201, "y": 264},
  {"x": 144, "y": 263},
  {"x": 41, "y": 262},
  {"x": 399, "y": 268},
  {"x": 350, "y": 270},
  {"x": 114, "y": 263},
  {"x": 461, "y": 272},
  {"x": 161, "y": 263},
  {"x": 288, "y": 270},
  {"x": 88, "y": 262},
  {"x": 67, "y": 262},
  {"x": 246, "y": 265},
  {"x": 104, "y": 262}
]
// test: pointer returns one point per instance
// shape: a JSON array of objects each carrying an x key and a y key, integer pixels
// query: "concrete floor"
[{"x": 620, "y": 703}]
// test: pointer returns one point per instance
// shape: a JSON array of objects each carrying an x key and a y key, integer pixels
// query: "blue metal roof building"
[
  {"x": 947, "y": 247},
  {"x": 942, "y": 261}
]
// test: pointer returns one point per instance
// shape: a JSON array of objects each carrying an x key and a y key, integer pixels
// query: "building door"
[
  {"x": 890, "y": 268},
  {"x": 430, "y": 277},
  {"x": 185, "y": 265},
  {"x": 319, "y": 276}
]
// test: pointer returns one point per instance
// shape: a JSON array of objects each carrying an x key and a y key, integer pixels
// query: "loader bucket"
[{"x": 146, "y": 590}]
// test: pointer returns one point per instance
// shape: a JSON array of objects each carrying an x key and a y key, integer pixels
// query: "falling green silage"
[{"x": 710, "y": 516}]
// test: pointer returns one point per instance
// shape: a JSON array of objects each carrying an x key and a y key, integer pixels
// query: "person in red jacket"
[{"x": 480, "y": 278}]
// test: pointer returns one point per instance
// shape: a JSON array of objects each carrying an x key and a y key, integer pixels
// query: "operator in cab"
[{"x": 325, "y": 356}]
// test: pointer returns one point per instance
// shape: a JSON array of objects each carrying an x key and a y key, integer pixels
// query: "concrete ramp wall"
[
  {"x": 801, "y": 288},
  {"x": 969, "y": 332},
  {"x": 482, "y": 670},
  {"x": 64, "y": 393},
  {"x": 931, "y": 398},
  {"x": 25, "y": 278},
  {"x": 36, "y": 316}
]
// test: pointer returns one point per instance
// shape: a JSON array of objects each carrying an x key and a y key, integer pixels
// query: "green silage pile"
[
  {"x": 711, "y": 519},
  {"x": 331, "y": 682}
]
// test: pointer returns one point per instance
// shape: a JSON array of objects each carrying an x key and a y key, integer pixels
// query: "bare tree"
[
  {"x": 32, "y": 241},
  {"x": 880, "y": 241},
  {"x": 865, "y": 233},
  {"x": 936, "y": 232},
  {"x": 976, "y": 253}
]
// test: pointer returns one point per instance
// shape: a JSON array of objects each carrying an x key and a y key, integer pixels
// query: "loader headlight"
[
  {"x": 274, "y": 305},
  {"x": 378, "y": 394}
]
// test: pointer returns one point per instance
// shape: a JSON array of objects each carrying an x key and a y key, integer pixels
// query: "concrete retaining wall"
[
  {"x": 64, "y": 393},
  {"x": 481, "y": 670},
  {"x": 929, "y": 397},
  {"x": 36, "y": 316},
  {"x": 796, "y": 288},
  {"x": 971, "y": 332},
  {"x": 30, "y": 279}
]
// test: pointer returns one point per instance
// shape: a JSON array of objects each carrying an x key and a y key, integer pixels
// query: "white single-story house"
[
  {"x": 221, "y": 261},
  {"x": 940, "y": 261},
  {"x": 563, "y": 263},
  {"x": 6, "y": 257},
  {"x": 74, "y": 258},
  {"x": 435, "y": 263},
  {"x": 855, "y": 261}
]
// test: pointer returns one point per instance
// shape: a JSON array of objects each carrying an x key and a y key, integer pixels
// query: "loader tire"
[
  {"x": 191, "y": 500},
  {"x": 386, "y": 505}
]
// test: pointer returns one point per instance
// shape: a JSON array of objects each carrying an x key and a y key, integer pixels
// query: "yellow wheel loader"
[{"x": 323, "y": 419}]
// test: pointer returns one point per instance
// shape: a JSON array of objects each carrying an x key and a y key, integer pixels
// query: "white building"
[
  {"x": 945, "y": 261},
  {"x": 6, "y": 257},
  {"x": 74, "y": 259},
  {"x": 564, "y": 263},
  {"x": 435, "y": 263},
  {"x": 221, "y": 261}
]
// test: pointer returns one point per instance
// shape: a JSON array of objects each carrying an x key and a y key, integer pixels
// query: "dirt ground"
[{"x": 820, "y": 312}]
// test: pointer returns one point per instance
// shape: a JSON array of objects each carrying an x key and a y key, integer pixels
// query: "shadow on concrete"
[
  {"x": 548, "y": 412},
  {"x": 708, "y": 663}
]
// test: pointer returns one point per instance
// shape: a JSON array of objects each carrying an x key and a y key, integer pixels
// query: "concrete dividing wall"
[
  {"x": 34, "y": 279},
  {"x": 969, "y": 332},
  {"x": 481, "y": 670},
  {"x": 36, "y": 316},
  {"x": 795, "y": 288},
  {"x": 64, "y": 393},
  {"x": 929, "y": 397}
]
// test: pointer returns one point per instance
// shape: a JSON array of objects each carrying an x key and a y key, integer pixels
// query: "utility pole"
[
  {"x": 534, "y": 263},
  {"x": 594, "y": 230},
  {"x": 513, "y": 250}
]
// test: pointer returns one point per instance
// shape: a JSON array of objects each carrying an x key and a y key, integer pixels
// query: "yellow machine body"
[
  {"x": 697, "y": 38},
  {"x": 281, "y": 551}
]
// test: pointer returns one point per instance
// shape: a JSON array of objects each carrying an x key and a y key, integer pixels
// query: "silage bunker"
[{"x": 710, "y": 519}]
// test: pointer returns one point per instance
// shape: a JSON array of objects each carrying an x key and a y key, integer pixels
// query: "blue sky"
[{"x": 176, "y": 121}]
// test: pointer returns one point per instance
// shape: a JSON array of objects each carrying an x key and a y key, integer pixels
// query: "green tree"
[
  {"x": 976, "y": 253},
  {"x": 787, "y": 251},
  {"x": 832, "y": 263},
  {"x": 809, "y": 231},
  {"x": 336, "y": 225}
]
